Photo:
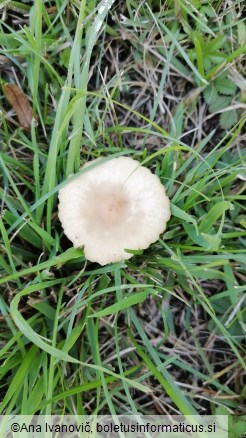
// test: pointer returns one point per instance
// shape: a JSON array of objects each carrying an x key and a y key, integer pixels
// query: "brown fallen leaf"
[
  {"x": 20, "y": 103},
  {"x": 51, "y": 10}
]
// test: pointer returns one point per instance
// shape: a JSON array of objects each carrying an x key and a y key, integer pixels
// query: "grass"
[{"x": 164, "y": 331}]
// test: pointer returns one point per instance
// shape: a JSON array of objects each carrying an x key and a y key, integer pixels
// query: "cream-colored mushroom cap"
[{"x": 116, "y": 205}]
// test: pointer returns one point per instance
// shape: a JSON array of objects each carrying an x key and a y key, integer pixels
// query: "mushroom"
[{"x": 114, "y": 206}]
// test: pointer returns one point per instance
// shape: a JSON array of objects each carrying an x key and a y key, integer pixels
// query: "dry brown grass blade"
[{"x": 20, "y": 103}]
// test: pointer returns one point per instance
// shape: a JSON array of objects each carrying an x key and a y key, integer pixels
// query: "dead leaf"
[
  {"x": 20, "y": 103},
  {"x": 51, "y": 10}
]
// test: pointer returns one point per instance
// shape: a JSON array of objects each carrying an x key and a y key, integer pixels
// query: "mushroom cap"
[{"x": 114, "y": 206}]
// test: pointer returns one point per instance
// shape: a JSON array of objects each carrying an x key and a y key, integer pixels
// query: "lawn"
[{"x": 162, "y": 82}]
